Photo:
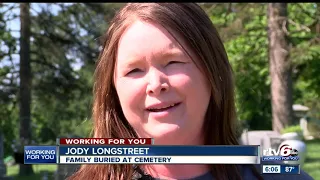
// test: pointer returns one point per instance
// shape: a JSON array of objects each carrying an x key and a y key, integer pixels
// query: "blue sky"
[{"x": 35, "y": 7}]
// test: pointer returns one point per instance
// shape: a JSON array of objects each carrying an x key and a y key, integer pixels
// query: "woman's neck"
[
  {"x": 178, "y": 171},
  {"x": 175, "y": 171}
]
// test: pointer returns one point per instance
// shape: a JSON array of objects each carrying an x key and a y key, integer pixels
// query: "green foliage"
[
  {"x": 306, "y": 57},
  {"x": 65, "y": 40},
  {"x": 243, "y": 28},
  {"x": 305, "y": 53},
  {"x": 70, "y": 36},
  {"x": 46, "y": 135},
  {"x": 312, "y": 163},
  {"x": 13, "y": 171},
  {"x": 8, "y": 83},
  {"x": 294, "y": 128}
]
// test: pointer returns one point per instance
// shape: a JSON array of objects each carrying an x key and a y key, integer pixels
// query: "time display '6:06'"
[{"x": 271, "y": 169}]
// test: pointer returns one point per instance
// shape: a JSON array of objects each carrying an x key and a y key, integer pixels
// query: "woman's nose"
[{"x": 157, "y": 82}]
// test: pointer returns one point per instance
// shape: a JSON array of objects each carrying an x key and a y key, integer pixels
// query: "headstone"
[
  {"x": 44, "y": 175},
  {"x": 304, "y": 126},
  {"x": 314, "y": 128},
  {"x": 300, "y": 110},
  {"x": 266, "y": 139},
  {"x": 3, "y": 169},
  {"x": 65, "y": 170}
]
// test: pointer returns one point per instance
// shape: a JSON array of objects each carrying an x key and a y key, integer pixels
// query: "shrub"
[{"x": 294, "y": 128}]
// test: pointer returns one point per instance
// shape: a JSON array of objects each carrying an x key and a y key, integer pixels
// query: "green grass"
[
  {"x": 312, "y": 163},
  {"x": 13, "y": 171}
]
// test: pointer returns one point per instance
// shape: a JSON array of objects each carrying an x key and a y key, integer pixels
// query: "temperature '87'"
[{"x": 289, "y": 169}]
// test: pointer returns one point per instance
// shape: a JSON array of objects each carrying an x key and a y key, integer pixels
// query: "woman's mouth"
[{"x": 161, "y": 108}]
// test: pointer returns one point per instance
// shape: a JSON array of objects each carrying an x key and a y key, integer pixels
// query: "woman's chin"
[{"x": 165, "y": 134}]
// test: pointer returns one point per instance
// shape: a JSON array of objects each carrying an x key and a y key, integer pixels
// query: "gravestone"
[
  {"x": 3, "y": 169},
  {"x": 65, "y": 170},
  {"x": 299, "y": 111},
  {"x": 266, "y": 139},
  {"x": 44, "y": 175},
  {"x": 310, "y": 126}
]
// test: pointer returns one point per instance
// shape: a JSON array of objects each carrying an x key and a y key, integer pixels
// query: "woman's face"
[{"x": 162, "y": 93}]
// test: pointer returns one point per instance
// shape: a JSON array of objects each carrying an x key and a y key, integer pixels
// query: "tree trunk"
[
  {"x": 280, "y": 66},
  {"x": 25, "y": 82}
]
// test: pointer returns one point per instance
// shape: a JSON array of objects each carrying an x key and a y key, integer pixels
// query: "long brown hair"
[{"x": 196, "y": 29}]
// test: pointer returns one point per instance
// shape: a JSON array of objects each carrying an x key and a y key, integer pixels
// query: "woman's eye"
[
  {"x": 173, "y": 62},
  {"x": 133, "y": 71}
]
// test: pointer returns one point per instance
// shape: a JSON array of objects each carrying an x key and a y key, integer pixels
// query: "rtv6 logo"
[{"x": 284, "y": 151}]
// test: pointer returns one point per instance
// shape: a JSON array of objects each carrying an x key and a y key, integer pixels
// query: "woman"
[{"x": 164, "y": 73}]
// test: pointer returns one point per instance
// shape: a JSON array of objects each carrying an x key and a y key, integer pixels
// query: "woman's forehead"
[{"x": 143, "y": 37}]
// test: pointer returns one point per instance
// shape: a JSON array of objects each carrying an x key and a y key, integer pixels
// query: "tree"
[
  {"x": 69, "y": 36},
  {"x": 280, "y": 66},
  {"x": 304, "y": 28},
  {"x": 243, "y": 27},
  {"x": 62, "y": 37},
  {"x": 8, "y": 85},
  {"x": 25, "y": 82},
  {"x": 243, "y": 30}
]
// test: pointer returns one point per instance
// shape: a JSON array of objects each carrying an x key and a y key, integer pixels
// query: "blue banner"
[
  {"x": 155, "y": 150},
  {"x": 290, "y": 169},
  {"x": 40, "y": 154}
]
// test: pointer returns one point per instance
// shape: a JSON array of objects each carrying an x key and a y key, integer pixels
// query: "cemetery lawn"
[
  {"x": 13, "y": 171},
  {"x": 311, "y": 166},
  {"x": 312, "y": 163}
]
